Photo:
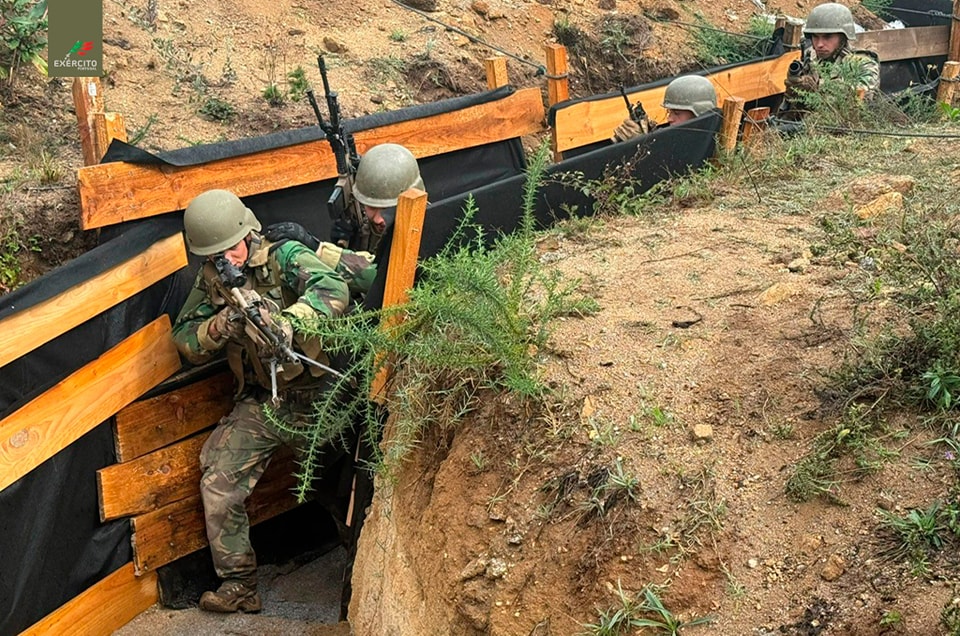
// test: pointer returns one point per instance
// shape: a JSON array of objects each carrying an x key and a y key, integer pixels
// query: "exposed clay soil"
[{"x": 689, "y": 326}]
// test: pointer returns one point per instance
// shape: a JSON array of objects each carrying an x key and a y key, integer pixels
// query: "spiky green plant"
[{"x": 473, "y": 325}]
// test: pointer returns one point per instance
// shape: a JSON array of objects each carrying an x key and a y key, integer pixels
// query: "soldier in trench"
[
  {"x": 291, "y": 279},
  {"x": 686, "y": 97},
  {"x": 829, "y": 30}
]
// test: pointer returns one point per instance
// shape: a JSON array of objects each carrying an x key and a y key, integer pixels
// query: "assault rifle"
[
  {"x": 345, "y": 213},
  {"x": 230, "y": 279},
  {"x": 636, "y": 112}
]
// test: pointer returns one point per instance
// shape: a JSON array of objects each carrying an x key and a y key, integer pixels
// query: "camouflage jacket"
[
  {"x": 303, "y": 284},
  {"x": 869, "y": 76}
]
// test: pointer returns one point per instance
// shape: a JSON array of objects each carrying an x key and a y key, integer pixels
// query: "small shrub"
[
  {"x": 273, "y": 95},
  {"x": 216, "y": 109},
  {"x": 713, "y": 46},
  {"x": 297, "y": 81},
  {"x": 398, "y": 36}
]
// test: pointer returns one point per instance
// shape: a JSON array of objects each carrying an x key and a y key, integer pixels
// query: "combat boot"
[{"x": 233, "y": 596}]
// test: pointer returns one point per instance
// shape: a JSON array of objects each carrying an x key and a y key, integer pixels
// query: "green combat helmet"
[
  {"x": 830, "y": 18},
  {"x": 385, "y": 172},
  {"x": 690, "y": 92},
  {"x": 215, "y": 221}
]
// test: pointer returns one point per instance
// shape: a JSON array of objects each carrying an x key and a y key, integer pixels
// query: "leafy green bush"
[{"x": 23, "y": 29}]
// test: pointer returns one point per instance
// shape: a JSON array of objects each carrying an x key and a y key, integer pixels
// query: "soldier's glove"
[
  {"x": 341, "y": 233},
  {"x": 627, "y": 130},
  {"x": 288, "y": 230},
  {"x": 227, "y": 324},
  {"x": 804, "y": 83}
]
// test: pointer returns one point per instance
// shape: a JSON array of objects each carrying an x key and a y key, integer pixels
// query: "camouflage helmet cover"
[
  {"x": 690, "y": 92},
  {"x": 831, "y": 17},
  {"x": 215, "y": 221},
  {"x": 385, "y": 172}
]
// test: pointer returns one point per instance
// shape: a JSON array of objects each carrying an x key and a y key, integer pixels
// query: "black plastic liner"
[
  {"x": 52, "y": 544},
  {"x": 666, "y": 152}
]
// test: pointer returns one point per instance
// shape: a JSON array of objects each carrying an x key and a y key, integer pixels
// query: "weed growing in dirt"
[
  {"x": 215, "y": 109},
  {"x": 23, "y": 33},
  {"x": 297, "y": 84},
  {"x": 859, "y": 438},
  {"x": 10, "y": 247},
  {"x": 398, "y": 35},
  {"x": 642, "y": 610},
  {"x": 918, "y": 535},
  {"x": 474, "y": 324},
  {"x": 913, "y": 360}
]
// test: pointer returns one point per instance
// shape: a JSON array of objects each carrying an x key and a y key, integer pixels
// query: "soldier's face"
[
  {"x": 375, "y": 216},
  {"x": 826, "y": 44},
  {"x": 675, "y": 117},
  {"x": 237, "y": 255}
]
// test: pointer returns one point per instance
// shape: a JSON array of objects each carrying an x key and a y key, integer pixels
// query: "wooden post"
[
  {"x": 732, "y": 114},
  {"x": 496, "y": 72},
  {"x": 953, "y": 54},
  {"x": 97, "y": 128},
  {"x": 755, "y": 122},
  {"x": 780, "y": 22},
  {"x": 558, "y": 88},
  {"x": 404, "y": 253},
  {"x": 792, "y": 33},
  {"x": 948, "y": 83}
]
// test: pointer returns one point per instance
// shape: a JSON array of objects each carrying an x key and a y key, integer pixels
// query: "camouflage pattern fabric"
[
  {"x": 290, "y": 274},
  {"x": 233, "y": 460},
  {"x": 870, "y": 68},
  {"x": 238, "y": 451}
]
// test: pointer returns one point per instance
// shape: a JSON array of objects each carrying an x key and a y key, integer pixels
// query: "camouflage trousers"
[{"x": 233, "y": 460}]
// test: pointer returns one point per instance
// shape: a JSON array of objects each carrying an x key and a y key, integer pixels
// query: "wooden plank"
[
  {"x": 152, "y": 481},
  {"x": 402, "y": 268},
  {"x": 904, "y": 44},
  {"x": 178, "y": 529},
  {"x": 732, "y": 114},
  {"x": 24, "y": 331},
  {"x": 58, "y": 417},
  {"x": 147, "y": 425},
  {"x": 587, "y": 122},
  {"x": 115, "y": 192},
  {"x": 496, "y": 68},
  {"x": 558, "y": 83},
  {"x": 87, "y": 100},
  {"x": 102, "y": 608}
]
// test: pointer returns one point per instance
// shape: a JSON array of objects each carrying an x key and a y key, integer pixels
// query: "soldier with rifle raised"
[
  {"x": 828, "y": 34},
  {"x": 686, "y": 97}
]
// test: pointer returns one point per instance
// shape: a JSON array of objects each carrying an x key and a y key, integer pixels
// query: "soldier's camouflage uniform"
[
  {"x": 868, "y": 78},
  {"x": 309, "y": 286}
]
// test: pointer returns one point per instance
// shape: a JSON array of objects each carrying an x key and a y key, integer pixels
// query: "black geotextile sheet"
[
  {"x": 52, "y": 544},
  {"x": 666, "y": 152}
]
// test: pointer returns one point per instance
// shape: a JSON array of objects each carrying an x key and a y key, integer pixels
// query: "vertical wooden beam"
[
  {"x": 780, "y": 22},
  {"x": 792, "y": 33},
  {"x": 948, "y": 83},
  {"x": 755, "y": 122},
  {"x": 953, "y": 54},
  {"x": 558, "y": 88},
  {"x": 496, "y": 72},
  {"x": 114, "y": 126},
  {"x": 404, "y": 253},
  {"x": 732, "y": 114},
  {"x": 97, "y": 128}
]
